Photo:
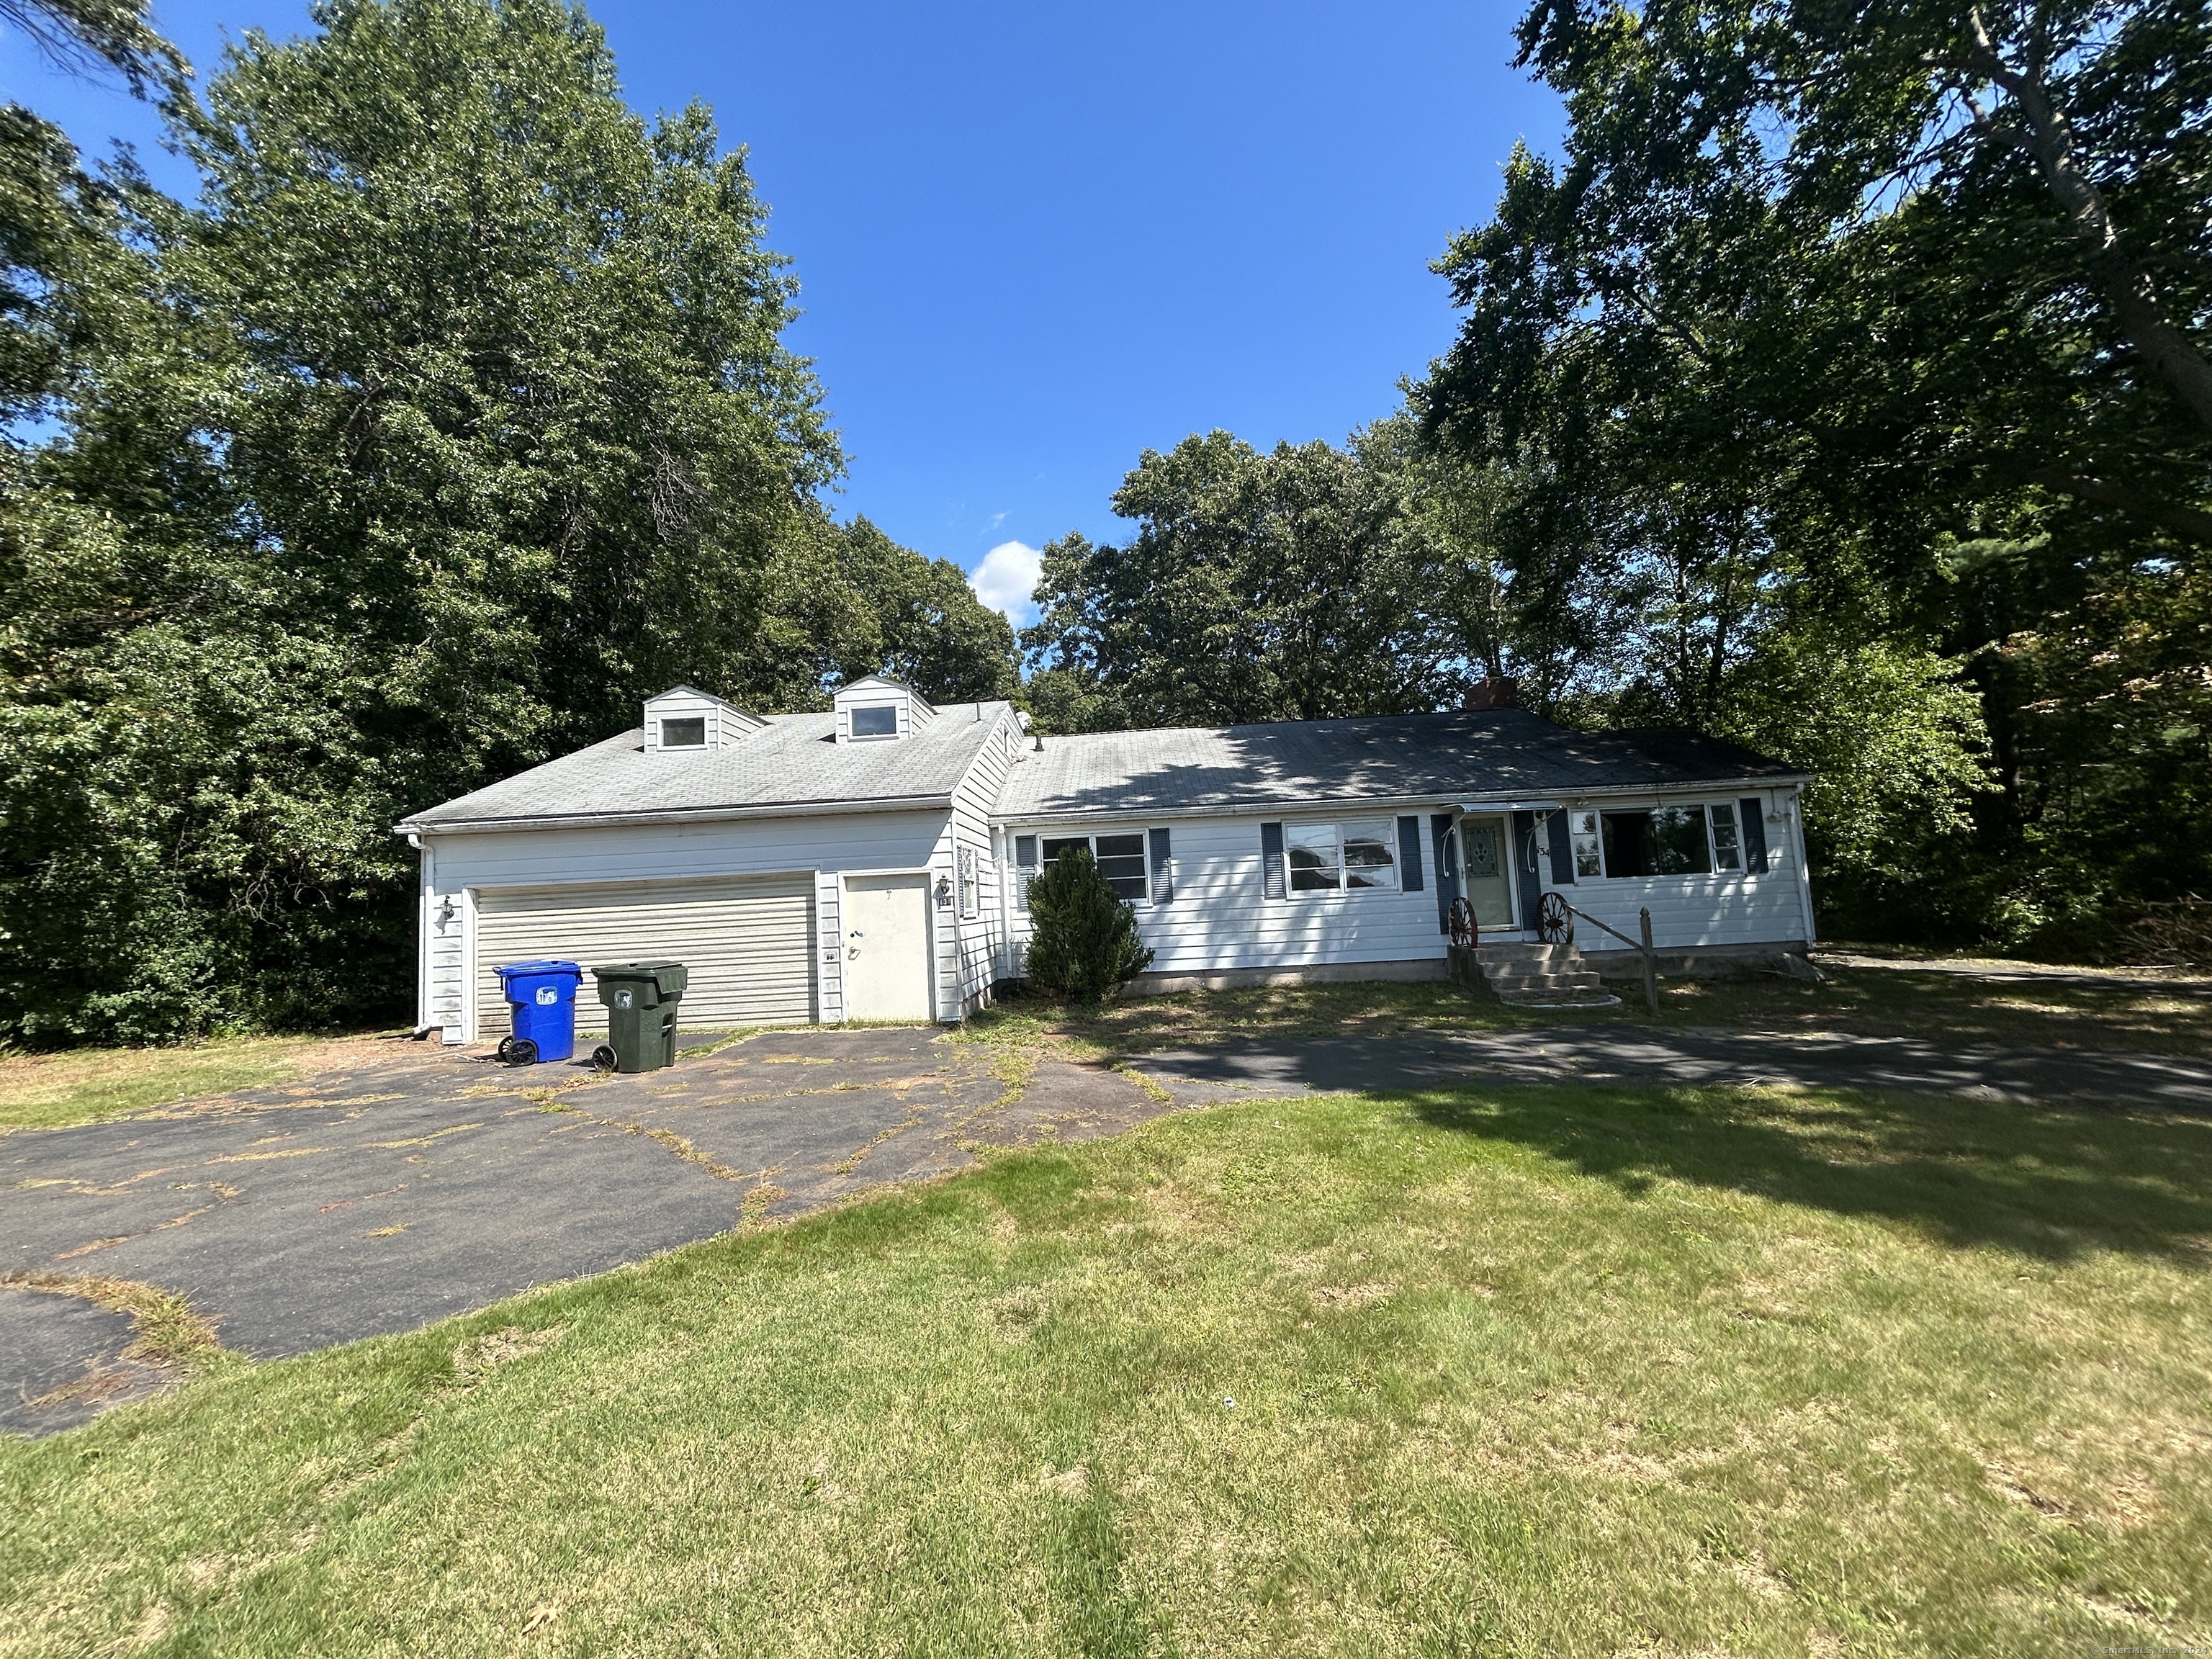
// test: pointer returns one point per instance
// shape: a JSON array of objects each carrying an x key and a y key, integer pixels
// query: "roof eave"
[
  {"x": 670, "y": 815},
  {"x": 1440, "y": 800}
]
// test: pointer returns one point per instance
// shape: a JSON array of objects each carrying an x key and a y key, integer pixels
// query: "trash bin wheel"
[
  {"x": 518, "y": 1051},
  {"x": 507, "y": 1047},
  {"x": 603, "y": 1057}
]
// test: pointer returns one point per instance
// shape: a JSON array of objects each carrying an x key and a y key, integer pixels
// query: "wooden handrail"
[{"x": 1643, "y": 950}]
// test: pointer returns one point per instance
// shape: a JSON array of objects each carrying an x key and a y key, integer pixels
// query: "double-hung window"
[
  {"x": 1589, "y": 858},
  {"x": 1329, "y": 858},
  {"x": 1121, "y": 861}
]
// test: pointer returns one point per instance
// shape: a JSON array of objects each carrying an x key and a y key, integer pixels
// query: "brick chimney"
[{"x": 1490, "y": 693}]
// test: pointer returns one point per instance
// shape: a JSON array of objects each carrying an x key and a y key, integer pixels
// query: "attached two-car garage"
[{"x": 747, "y": 942}]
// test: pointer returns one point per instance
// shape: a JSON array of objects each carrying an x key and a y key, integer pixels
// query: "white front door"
[{"x": 887, "y": 947}]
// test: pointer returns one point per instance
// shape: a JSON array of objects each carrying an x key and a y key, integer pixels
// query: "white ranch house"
[{"x": 871, "y": 862}]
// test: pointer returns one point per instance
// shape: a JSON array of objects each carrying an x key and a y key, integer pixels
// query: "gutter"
[
  {"x": 414, "y": 827},
  {"x": 1456, "y": 801}
]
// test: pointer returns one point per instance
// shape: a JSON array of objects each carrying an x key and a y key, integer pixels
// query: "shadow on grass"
[{"x": 2052, "y": 1184}]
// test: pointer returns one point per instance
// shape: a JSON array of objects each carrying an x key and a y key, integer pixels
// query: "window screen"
[
  {"x": 690, "y": 733},
  {"x": 881, "y": 722}
]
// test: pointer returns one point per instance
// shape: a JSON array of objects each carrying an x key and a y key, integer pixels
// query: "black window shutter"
[
  {"x": 1271, "y": 855},
  {"x": 1440, "y": 828},
  {"x": 1752, "y": 812},
  {"x": 1409, "y": 854},
  {"x": 1562, "y": 852},
  {"x": 1162, "y": 873},
  {"x": 1025, "y": 851}
]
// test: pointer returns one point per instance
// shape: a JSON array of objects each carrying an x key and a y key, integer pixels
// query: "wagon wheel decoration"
[
  {"x": 1555, "y": 923},
  {"x": 1461, "y": 924}
]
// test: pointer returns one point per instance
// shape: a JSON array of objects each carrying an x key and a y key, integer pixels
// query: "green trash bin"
[{"x": 641, "y": 999}]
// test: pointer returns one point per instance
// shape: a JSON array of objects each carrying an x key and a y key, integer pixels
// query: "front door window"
[{"x": 1489, "y": 884}]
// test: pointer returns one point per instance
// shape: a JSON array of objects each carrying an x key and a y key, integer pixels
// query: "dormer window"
[
  {"x": 879, "y": 710},
  {"x": 683, "y": 718}
]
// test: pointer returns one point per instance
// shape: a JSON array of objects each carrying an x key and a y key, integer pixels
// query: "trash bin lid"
[
  {"x": 546, "y": 969},
  {"x": 668, "y": 979}
]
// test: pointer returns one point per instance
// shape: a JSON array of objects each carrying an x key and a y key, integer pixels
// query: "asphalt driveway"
[
  {"x": 420, "y": 1182},
  {"x": 416, "y": 1183}
]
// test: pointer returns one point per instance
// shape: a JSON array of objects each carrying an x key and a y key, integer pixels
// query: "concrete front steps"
[{"x": 1532, "y": 976}]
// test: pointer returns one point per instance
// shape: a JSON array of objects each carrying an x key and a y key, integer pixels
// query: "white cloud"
[{"x": 1006, "y": 578}]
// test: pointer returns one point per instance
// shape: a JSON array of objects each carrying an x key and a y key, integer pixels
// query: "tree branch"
[
  {"x": 2186, "y": 522},
  {"x": 2124, "y": 280}
]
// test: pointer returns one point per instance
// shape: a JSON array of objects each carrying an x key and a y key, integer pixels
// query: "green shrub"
[{"x": 1083, "y": 939}]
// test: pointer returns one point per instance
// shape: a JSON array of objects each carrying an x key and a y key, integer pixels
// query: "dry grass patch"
[{"x": 82, "y": 1085}]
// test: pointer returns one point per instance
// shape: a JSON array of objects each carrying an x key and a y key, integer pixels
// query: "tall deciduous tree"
[
  {"x": 1283, "y": 585},
  {"x": 451, "y": 421},
  {"x": 1858, "y": 333}
]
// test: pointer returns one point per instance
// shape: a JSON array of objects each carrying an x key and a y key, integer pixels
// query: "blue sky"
[{"x": 1034, "y": 241}]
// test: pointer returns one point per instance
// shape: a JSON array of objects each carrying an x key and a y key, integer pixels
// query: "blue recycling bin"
[{"x": 542, "y": 998}]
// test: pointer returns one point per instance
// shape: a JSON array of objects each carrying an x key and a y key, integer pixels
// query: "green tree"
[
  {"x": 451, "y": 421},
  {"x": 1858, "y": 334},
  {"x": 929, "y": 627},
  {"x": 1083, "y": 938},
  {"x": 1255, "y": 587}
]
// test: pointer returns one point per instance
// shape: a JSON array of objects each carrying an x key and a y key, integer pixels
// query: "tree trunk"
[{"x": 2120, "y": 277}]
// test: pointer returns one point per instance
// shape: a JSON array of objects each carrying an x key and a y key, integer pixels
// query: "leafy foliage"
[
  {"x": 1083, "y": 937},
  {"x": 451, "y": 422},
  {"x": 1307, "y": 583},
  {"x": 1877, "y": 335}
]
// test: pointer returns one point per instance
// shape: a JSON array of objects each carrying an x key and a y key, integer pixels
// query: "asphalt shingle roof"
[
  {"x": 1391, "y": 757},
  {"x": 794, "y": 761}
]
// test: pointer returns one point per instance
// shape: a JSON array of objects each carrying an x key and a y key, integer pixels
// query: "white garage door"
[{"x": 748, "y": 943}]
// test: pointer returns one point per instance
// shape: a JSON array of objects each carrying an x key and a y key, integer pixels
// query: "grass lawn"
[
  {"x": 1532, "y": 1372},
  {"x": 82, "y": 1085},
  {"x": 1870, "y": 1001}
]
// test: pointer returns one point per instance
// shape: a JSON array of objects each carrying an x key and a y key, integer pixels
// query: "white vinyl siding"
[
  {"x": 748, "y": 944},
  {"x": 1220, "y": 920},
  {"x": 1716, "y": 907}
]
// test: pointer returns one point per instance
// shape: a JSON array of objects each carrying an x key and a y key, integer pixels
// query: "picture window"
[
  {"x": 1665, "y": 841},
  {"x": 690, "y": 733},
  {"x": 880, "y": 720}
]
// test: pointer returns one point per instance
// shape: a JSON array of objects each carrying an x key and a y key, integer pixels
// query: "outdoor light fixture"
[
  {"x": 444, "y": 910},
  {"x": 945, "y": 892}
]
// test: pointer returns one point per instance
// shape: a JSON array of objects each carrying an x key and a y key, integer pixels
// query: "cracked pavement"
[
  {"x": 417, "y": 1183},
  {"x": 408, "y": 1183}
]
